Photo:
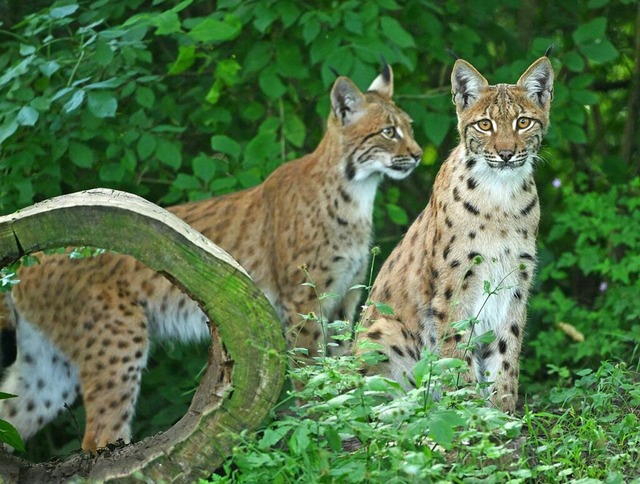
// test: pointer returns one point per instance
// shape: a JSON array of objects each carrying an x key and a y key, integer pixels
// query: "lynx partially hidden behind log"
[{"x": 83, "y": 326}]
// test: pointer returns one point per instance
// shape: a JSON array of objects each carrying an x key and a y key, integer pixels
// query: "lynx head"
[
  {"x": 376, "y": 137},
  {"x": 502, "y": 126}
]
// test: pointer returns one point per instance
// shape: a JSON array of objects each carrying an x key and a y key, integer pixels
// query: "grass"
[{"x": 368, "y": 429}]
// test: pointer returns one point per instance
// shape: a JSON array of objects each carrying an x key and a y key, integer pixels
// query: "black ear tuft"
[
  {"x": 547, "y": 52},
  {"x": 334, "y": 71},
  {"x": 452, "y": 54},
  {"x": 386, "y": 70}
]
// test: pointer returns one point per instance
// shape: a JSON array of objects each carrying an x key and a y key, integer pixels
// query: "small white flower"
[
  {"x": 603, "y": 286},
  {"x": 556, "y": 183}
]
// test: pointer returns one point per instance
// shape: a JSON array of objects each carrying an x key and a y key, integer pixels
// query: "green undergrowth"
[{"x": 352, "y": 428}]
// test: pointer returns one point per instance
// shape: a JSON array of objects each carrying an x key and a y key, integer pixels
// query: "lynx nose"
[{"x": 505, "y": 154}]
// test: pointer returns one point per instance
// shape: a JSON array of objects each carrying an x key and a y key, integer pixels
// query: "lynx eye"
[
  {"x": 389, "y": 132},
  {"x": 524, "y": 123},
  {"x": 484, "y": 125}
]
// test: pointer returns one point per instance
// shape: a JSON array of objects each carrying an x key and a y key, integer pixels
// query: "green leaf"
[
  {"x": 103, "y": 54},
  {"x": 145, "y": 97},
  {"x": 61, "y": 12},
  {"x": 80, "y": 154},
  {"x": 9, "y": 435},
  {"x": 299, "y": 440},
  {"x": 581, "y": 82},
  {"x": 28, "y": 116},
  {"x": 204, "y": 168},
  {"x": 249, "y": 178},
  {"x": 392, "y": 29},
  {"x": 225, "y": 145},
  {"x": 213, "y": 95},
  {"x": 596, "y": 29},
  {"x": 186, "y": 58},
  {"x": 166, "y": 23},
  {"x": 112, "y": 172},
  {"x": 26, "y": 49},
  {"x": 383, "y": 308},
  {"x": 294, "y": 130},
  {"x": 146, "y": 146},
  {"x": 574, "y": 62},
  {"x": 574, "y": 133},
  {"x": 270, "y": 83},
  {"x": 102, "y": 104},
  {"x": 442, "y": 424},
  {"x": 436, "y": 126},
  {"x": 227, "y": 71},
  {"x": 112, "y": 83},
  {"x": 7, "y": 128},
  {"x": 49, "y": 68},
  {"x": 397, "y": 214},
  {"x": 169, "y": 153},
  {"x": 584, "y": 97},
  {"x": 486, "y": 338},
  {"x": 186, "y": 182},
  {"x": 599, "y": 51},
  {"x": 223, "y": 185},
  {"x": 310, "y": 30},
  {"x": 353, "y": 22},
  {"x": 214, "y": 30},
  {"x": 272, "y": 436},
  {"x": 333, "y": 439},
  {"x": 259, "y": 148},
  {"x": 74, "y": 102}
]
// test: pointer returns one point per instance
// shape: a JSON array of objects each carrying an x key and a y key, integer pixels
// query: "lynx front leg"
[
  {"x": 400, "y": 347},
  {"x": 501, "y": 359}
]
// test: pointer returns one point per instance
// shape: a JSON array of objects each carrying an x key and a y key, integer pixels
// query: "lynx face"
[
  {"x": 502, "y": 126},
  {"x": 384, "y": 145}
]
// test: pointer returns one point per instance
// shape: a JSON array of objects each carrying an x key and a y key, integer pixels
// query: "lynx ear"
[
  {"x": 383, "y": 84},
  {"x": 347, "y": 101},
  {"x": 466, "y": 84},
  {"x": 538, "y": 82}
]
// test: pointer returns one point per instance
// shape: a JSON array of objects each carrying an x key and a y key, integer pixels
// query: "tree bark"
[
  {"x": 630, "y": 144},
  {"x": 246, "y": 363}
]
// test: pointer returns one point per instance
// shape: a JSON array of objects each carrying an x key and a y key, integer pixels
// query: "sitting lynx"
[
  {"x": 84, "y": 325},
  {"x": 480, "y": 225}
]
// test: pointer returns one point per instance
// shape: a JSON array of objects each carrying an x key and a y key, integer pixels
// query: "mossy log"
[{"x": 246, "y": 366}]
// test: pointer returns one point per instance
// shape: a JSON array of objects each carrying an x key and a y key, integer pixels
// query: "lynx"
[
  {"x": 478, "y": 228},
  {"x": 83, "y": 326}
]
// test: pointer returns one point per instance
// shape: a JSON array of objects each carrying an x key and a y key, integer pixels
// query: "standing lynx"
[
  {"x": 84, "y": 325},
  {"x": 479, "y": 227}
]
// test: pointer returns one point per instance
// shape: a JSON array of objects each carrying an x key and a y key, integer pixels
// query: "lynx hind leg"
[
  {"x": 110, "y": 373},
  {"x": 400, "y": 346},
  {"x": 43, "y": 379}
]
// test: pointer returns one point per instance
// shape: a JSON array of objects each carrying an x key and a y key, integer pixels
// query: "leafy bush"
[
  {"x": 396, "y": 435},
  {"x": 178, "y": 101},
  {"x": 589, "y": 280},
  {"x": 367, "y": 429}
]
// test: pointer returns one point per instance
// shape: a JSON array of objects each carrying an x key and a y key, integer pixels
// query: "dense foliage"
[{"x": 183, "y": 100}]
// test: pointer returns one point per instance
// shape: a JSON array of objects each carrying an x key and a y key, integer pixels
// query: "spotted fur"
[
  {"x": 83, "y": 326},
  {"x": 479, "y": 225}
]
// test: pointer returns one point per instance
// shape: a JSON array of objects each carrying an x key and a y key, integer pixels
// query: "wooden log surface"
[{"x": 246, "y": 361}]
